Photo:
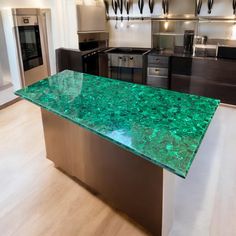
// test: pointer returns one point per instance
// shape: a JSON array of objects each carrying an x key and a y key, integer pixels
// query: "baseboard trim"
[{"x": 9, "y": 103}]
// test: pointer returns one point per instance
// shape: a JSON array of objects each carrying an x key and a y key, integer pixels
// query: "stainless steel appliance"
[
  {"x": 127, "y": 64},
  {"x": 205, "y": 50},
  {"x": 87, "y": 58},
  {"x": 200, "y": 40},
  {"x": 31, "y": 39},
  {"x": 90, "y": 61},
  {"x": 73, "y": 59},
  {"x": 158, "y": 70},
  {"x": 188, "y": 41},
  {"x": 90, "y": 41},
  {"x": 90, "y": 45}
]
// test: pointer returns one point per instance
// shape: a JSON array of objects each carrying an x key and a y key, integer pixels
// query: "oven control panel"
[
  {"x": 27, "y": 20},
  {"x": 125, "y": 60}
]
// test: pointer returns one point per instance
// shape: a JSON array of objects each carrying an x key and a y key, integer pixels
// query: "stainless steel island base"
[{"x": 126, "y": 181}]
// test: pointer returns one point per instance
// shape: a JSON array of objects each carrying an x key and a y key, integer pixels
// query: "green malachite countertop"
[{"x": 162, "y": 126}]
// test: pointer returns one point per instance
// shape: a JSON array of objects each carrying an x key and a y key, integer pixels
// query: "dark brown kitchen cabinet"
[
  {"x": 180, "y": 83},
  {"x": 68, "y": 59},
  {"x": 215, "y": 78},
  {"x": 103, "y": 64}
]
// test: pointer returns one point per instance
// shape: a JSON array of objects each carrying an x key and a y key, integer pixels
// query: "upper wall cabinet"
[
  {"x": 220, "y": 8},
  {"x": 90, "y": 18},
  {"x": 181, "y": 7}
]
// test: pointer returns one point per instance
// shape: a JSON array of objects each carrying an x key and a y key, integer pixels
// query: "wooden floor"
[
  {"x": 35, "y": 197},
  {"x": 38, "y": 199}
]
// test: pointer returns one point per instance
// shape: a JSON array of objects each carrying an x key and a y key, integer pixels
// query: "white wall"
[
  {"x": 4, "y": 64},
  {"x": 24, "y": 3},
  {"x": 11, "y": 48},
  {"x": 62, "y": 31},
  {"x": 64, "y": 23},
  {"x": 138, "y": 32}
]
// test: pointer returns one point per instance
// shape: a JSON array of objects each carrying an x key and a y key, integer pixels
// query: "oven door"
[
  {"x": 30, "y": 45},
  {"x": 90, "y": 64}
]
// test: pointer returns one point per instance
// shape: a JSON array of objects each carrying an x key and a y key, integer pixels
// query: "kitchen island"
[{"x": 116, "y": 137}]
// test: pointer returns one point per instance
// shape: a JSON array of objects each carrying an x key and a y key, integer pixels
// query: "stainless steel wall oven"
[
  {"x": 90, "y": 45},
  {"x": 30, "y": 44},
  {"x": 31, "y": 40}
]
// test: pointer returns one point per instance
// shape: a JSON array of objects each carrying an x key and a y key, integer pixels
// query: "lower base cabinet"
[{"x": 213, "y": 78}]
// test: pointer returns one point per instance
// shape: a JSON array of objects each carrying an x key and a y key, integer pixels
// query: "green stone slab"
[{"x": 162, "y": 126}]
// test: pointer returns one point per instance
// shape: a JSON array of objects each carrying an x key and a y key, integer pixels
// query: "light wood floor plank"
[{"x": 38, "y": 199}]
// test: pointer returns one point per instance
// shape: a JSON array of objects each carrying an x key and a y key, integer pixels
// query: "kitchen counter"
[
  {"x": 116, "y": 137},
  {"x": 204, "y": 76},
  {"x": 164, "y": 127},
  {"x": 208, "y": 77},
  {"x": 171, "y": 53}
]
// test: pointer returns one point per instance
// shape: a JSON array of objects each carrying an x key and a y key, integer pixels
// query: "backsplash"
[
  {"x": 138, "y": 33},
  {"x": 217, "y": 30},
  {"x": 130, "y": 33},
  {"x": 133, "y": 33}
]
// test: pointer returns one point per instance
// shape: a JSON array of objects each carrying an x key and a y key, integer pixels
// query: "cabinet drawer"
[
  {"x": 154, "y": 71},
  {"x": 159, "y": 61},
  {"x": 161, "y": 82}
]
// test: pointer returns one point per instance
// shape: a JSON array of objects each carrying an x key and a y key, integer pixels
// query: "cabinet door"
[
  {"x": 67, "y": 59},
  {"x": 205, "y": 77},
  {"x": 180, "y": 83},
  {"x": 181, "y": 65},
  {"x": 203, "y": 87},
  {"x": 103, "y": 64},
  {"x": 181, "y": 7}
]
